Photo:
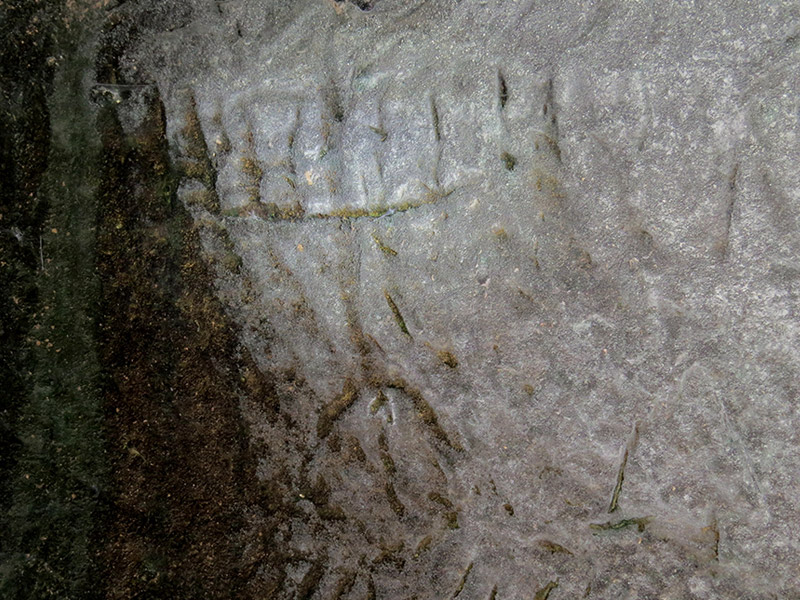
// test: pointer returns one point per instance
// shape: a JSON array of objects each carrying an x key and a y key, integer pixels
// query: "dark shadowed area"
[{"x": 349, "y": 299}]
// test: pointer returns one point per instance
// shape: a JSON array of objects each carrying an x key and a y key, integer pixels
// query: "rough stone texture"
[{"x": 524, "y": 275}]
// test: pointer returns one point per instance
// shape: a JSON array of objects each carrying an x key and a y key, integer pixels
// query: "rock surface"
[{"x": 524, "y": 277}]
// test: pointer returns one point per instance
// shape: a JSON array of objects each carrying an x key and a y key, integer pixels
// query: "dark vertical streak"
[
  {"x": 502, "y": 89},
  {"x": 437, "y": 133},
  {"x": 621, "y": 473},
  {"x": 291, "y": 142},
  {"x": 435, "y": 118},
  {"x": 714, "y": 527},
  {"x": 549, "y": 110},
  {"x": 333, "y": 102},
  {"x": 397, "y": 506},
  {"x": 618, "y": 487},
  {"x": 396, "y": 312},
  {"x": 732, "y": 184}
]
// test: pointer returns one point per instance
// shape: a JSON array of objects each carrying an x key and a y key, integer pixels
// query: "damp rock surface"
[{"x": 523, "y": 277}]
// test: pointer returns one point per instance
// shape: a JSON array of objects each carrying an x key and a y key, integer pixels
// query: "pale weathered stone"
[{"x": 526, "y": 274}]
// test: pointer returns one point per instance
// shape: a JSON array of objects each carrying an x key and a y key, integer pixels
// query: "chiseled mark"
[
  {"x": 553, "y": 548},
  {"x": 425, "y": 412},
  {"x": 380, "y": 132},
  {"x": 544, "y": 593},
  {"x": 423, "y": 545},
  {"x": 621, "y": 472},
  {"x": 383, "y": 247},
  {"x": 437, "y": 133},
  {"x": 196, "y": 163},
  {"x": 463, "y": 581},
  {"x": 386, "y": 456},
  {"x": 451, "y": 513},
  {"x": 116, "y": 93},
  {"x": 509, "y": 160},
  {"x": 397, "y": 506},
  {"x": 713, "y": 527},
  {"x": 344, "y": 585},
  {"x": 334, "y": 410},
  {"x": 398, "y": 317},
  {"x": 640, "y": 522},
  {"x": 596, "y": 21},
  {"x": 337, "y": 6},
  {"x": 311, "y": 581},
  {"x": 250, "y": 167},
  {"x": 332, "y": 102},
  {"x": 716, "y": 539},
  {"x": 732, "y": 184},
  {"x": 272, "y": 212},
  {"x": 380, "y": 401},
  {"x": 618, "y": 487},
  {"x": 390, "y": 555},
  {"x": 549, "y": 110},
  {"x": 502, "y": 89},
  {"x": 290, "y": 142},
  {"x": 439, "y": 499},
  {"x": 737, "y": 438},
  {"x": 446, "y": 357}
]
